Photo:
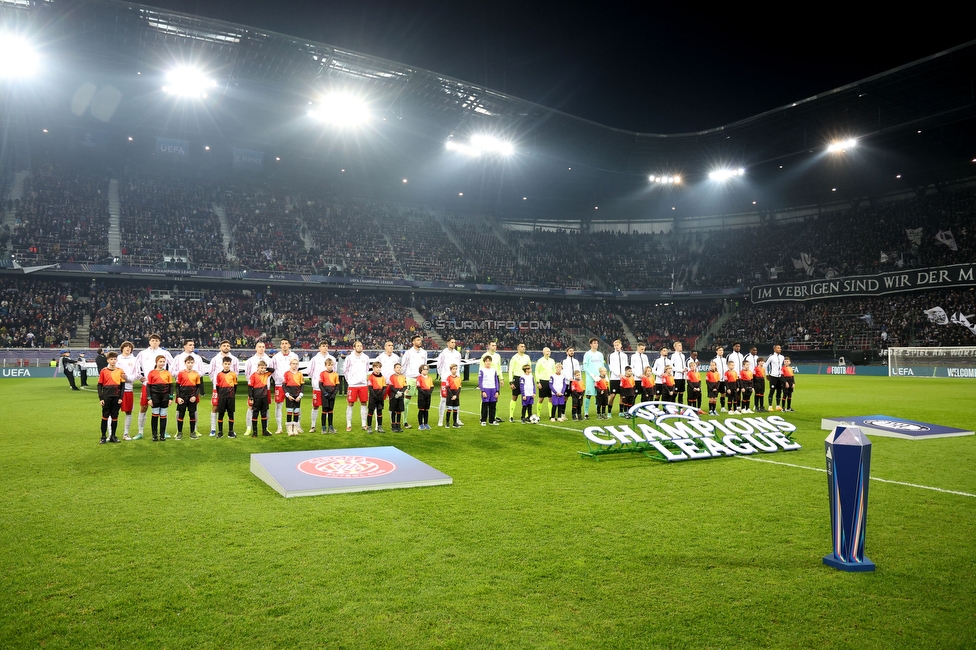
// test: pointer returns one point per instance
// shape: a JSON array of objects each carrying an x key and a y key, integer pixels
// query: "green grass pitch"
[{"x": 177, "y": 544}]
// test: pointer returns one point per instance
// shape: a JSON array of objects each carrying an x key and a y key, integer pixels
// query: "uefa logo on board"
[
  {"x": 346, "y": 467},
  {"x": 895, "y": 425}
]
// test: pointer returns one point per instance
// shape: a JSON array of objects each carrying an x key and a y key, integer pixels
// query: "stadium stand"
[
  {"x": 160, "y": 215},
  {"x": 63, "y": 215}
]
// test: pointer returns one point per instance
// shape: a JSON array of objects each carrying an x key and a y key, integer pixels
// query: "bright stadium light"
[
  {"x": 341, "y": 109},
  {"x": 481, "y": 144},
  {"x": 18, "y": 59},
  {"x": 725, "y": 174},
  {"x": 839, "y": 146},
  {"x": 666, "y": 179},
  {"x": 188, "y": 82}
]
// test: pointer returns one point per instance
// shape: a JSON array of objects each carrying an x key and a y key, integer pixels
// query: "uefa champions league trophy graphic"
[{"x": 848, "y": 475}]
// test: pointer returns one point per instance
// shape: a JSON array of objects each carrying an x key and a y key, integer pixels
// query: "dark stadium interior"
[{"x": 571, "y": 211}]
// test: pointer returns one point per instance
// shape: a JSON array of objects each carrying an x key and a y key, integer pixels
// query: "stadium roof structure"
[{"x": 918, "y": 120}]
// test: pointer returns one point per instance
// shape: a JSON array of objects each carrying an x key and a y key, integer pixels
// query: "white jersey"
[
  {"x": 130, "y": 366},
  {"x": 774, "y": 365},
  {"x": 722, "y": 366},
  {"x": 387, "y": 361},
  {"x": 251, "y": 365},
  {"x": 445, "y": 359},
  {"x": 488, "y": 378},
  {"x": 217, "y": 366},
  {"x": 147, "y": 361},
  {"x": 570, "y": 366},
  {"x": 356, "y": 369},
  {"x": 638, "y": 361},
  {"x": 678, "y": 365},
  {"x": 179, "y": 363},
  {"x": 737, "y": 358},
  {"x": 412, "y": 360},
  {"x": 658, "y": 368},
  {"x": 753, "y": 361},
  {"x": 281, "y": 363},
  {"x": 317, "y": 366},
  {"x": 558, "y": 384},
  {"x": 616, "y": 364}
]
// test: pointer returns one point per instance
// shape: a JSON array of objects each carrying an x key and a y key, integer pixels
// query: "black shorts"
[
  {"x": 679, "y": 386},
  {"x": 614, "y": 386},
  {"x": 329, "y": 398},
  {"x": 713, "y": 390},
  {"x": 759, "y": 385},
  {"x": 259, "y": 406},
  {"x": 516, "y": 389},
  {"x": 423, "y": 399},
  {"x": 545, "y": 392}
]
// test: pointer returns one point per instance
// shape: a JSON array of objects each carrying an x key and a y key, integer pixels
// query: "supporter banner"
[
  {"x": 167, "y": 147},
  {"x": 344, "y": 282},
  {"x": 248, "y": 159},
  {"x": 88, "y": 139},
  {"x": 940, "y": 277}
]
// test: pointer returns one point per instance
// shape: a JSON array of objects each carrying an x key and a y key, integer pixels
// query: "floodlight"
[
  {"x": 841, "y": 145},
  {"x": 341, "y": 109},
  {"x": 481, "y": 144},
  {"x": 725, "y": 174},
  {"x": 185, "y": 81},
  {"x": 18, "y": 59},
  {"x": 667, "y": 179}
]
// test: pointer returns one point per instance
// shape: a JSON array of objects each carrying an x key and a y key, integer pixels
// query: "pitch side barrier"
[{"x": 336, "y": 282}]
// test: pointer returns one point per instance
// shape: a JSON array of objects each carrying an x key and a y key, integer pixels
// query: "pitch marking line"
[
  {"x": 873, "y": 478},
  {"x": 776, "y": 462}
]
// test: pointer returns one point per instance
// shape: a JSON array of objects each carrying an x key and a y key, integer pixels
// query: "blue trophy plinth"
[{"x": 848, "y": 474}]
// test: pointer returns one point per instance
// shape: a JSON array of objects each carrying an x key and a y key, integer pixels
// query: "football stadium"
[{"x": 481, "y": 372}]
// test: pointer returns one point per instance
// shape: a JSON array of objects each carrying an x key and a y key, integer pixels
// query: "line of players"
[
  {"x": 732, "y": 384},
  {"x": 273, "y": 379},
  {"x": 733, "y": 380}
]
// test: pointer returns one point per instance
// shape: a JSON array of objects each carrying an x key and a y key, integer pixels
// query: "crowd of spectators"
[
  {"x": 161, "y": 216},
  {"x": 867, "y": 239},
  {"x": 39, "y": 313},
  {"x": 424, "y": 250},
  {"x": 42, "y": 312},
  {"x": 853, "y": 323},
  {"x": 62, "y": 216},
  {"x": 348, "y": 238},
  {"x": 266, "y": 234}
]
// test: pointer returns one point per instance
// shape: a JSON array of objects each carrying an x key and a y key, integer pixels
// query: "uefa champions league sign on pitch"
[{"x": 674, "y": 432}]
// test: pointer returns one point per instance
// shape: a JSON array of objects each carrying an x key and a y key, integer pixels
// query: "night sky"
[{"x": 640, "y": 67}]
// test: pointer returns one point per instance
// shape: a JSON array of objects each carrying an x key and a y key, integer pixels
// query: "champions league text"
[{"x": 677, "y": 434}]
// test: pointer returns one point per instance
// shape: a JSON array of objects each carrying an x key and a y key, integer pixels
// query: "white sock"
[
  {"x": 315, "y": 418},
  {"x": 348, "y": 415},
  {"x": 278, "y": 410},
  {"x": 142, "y": 422},
  {"x": 440, "y": 411},
  {"x": 128, "y": 423},
  {"x": 248, "y": 416},
  {"x": 213, "y": 421},
  {"x": 362, "y": 413}
]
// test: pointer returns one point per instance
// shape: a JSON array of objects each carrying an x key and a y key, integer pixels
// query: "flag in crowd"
[
  {"x": 937, "y": 315},
  {"x": 914, "y": 235},
  {"x": 945, "y": 237},
  {"x": 960, "y": 319}
]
